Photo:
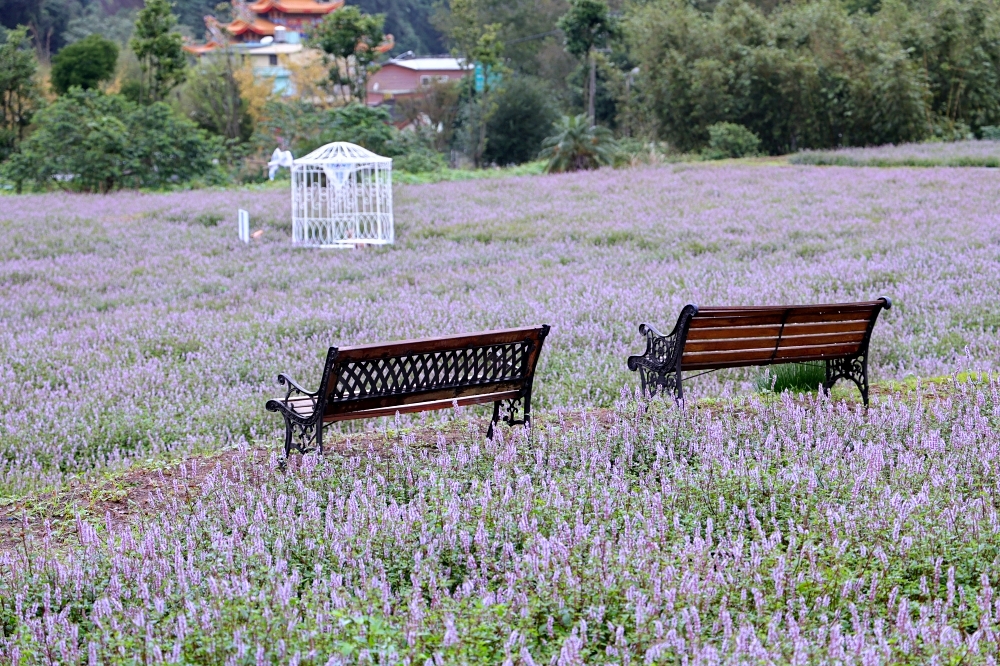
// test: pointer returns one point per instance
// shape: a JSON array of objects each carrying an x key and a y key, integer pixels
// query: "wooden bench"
[
  {"x": 414, "y": 376},
  {"x": 707, "y": 339}
]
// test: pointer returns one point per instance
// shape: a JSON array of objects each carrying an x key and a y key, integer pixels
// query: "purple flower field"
[
  {"x": 797, "y": 533},
  {"x": 128, "y": 328},
  {"x": 942, "y": 153},
  {"x": 133, "y": 326}
]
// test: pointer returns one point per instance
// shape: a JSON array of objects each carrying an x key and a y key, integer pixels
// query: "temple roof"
[
  {"x": 200, "y": 49},
  {"x": 296, "y": 6},
  {"x": 259, "y": 27}
]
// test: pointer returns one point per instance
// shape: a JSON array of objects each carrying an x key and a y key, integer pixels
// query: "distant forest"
[{"x": 55, "y": 23}]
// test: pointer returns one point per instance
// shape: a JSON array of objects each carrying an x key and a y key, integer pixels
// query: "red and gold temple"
[{"x": 264, "y": 18}]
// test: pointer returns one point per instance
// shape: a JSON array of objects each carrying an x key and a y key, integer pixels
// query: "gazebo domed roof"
[{"x": 341, "y": 152}]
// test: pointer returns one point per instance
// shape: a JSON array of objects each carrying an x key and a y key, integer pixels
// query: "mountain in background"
[
  {"x": 409, "y": 21},
  {"x": 55, "y": 23}
]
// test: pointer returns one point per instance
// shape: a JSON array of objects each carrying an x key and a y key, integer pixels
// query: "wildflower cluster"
[
  {"x": 762, "y": 532},
  {"x": 132, "y": 325}
]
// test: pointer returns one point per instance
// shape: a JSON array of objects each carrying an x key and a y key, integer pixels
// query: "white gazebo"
[{"x": 342, "y": 197}]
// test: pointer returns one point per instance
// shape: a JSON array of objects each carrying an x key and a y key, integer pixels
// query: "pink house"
[{"x": 404, "y": 76}]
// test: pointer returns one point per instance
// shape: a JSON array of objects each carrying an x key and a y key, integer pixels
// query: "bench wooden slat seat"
[
  {"x": 707, "y": 339},
  {"x": 408, "y": 376}
]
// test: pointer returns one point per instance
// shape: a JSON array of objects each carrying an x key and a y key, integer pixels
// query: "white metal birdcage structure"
[{"x": 342, "y": 197}]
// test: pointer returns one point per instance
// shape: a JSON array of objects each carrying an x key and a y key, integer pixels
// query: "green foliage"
[
  {"x": 607, "y": 97},
  {"x": 46, "y": 20},
  {"x": 409, "y": 22},
  {"x": 158, "y": 49},
  {"x": 730, "y": 140},
  {"x": 813, "y": 75},
  {"x": 91, "y": 142},
  {"x": 100, "y": 19},
  {"x": 85, "y": 63},
  {"x": 990, "y": 132},
  {"x": 413, "y": 151},
  {"x": 19, "y": 94},
  {"x": 351, "y": 37},
  {"x": 369, "y": 127},
  {"x": 419, "y": 160},
  {"x": 796, "y": 377},
  {"x": 578, "y": 145},
  {"x": 437, "y": 107},
  {"x": 521, "y": 121},
  {"x": 191, "y": 13},
  {"x": 303, "y": 128},
  {"x": 211, "y": 97},
  {"x": 587, "y": 25}
]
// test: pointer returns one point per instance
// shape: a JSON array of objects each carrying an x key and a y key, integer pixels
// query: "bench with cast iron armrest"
[
  {"x": 414, "y": 376},
  {"x": 707, "y": 339}
]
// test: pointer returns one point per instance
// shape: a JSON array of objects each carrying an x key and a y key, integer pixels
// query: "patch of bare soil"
[{"x": 49, "y": 519}]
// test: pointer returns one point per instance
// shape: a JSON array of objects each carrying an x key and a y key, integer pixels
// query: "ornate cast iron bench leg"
[
  {"x": 659, "y": 366},
  {"x": 288, "y": 437},
  {"x": 510, "y": 417},
  {"x": 854, "y": 369}
]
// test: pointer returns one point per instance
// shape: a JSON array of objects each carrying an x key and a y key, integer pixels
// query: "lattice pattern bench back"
[
  {"x": 412, "y": 371},
  {"x": 741, "y": 336}
]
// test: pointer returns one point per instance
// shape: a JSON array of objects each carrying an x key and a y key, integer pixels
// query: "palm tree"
[{"x": 578, "y": 145}]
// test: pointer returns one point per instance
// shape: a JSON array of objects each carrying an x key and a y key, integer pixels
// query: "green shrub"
[
  {"x": 990, "y": 132},
  {"x": 91, "y": 142},
  {"x": 419, "y": 161},
  {"x": 85, "y": 63},
  {"x": 731, "y": 140},
  {"x": 520, "y": 123},
  {"x": 366, "y": 126},
  {"x": 578, "y": 145},
  {"x": 797, "y": 377}
]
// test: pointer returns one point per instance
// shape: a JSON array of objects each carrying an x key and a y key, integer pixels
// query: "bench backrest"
[
  {"x": 447, "y": 368},
  {"x": 743, "y": 336}
]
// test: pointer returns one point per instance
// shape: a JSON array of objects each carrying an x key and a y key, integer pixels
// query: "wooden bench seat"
[
  {"x": 414, "y": 376},
  {"x": 706, "y": 339}
]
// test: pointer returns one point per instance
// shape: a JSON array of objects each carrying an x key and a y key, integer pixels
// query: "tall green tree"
[
  {"x": 480, "y": 46},
  {"x": 159, "y": 50},
  {"x": 211, "y": 97},
  {"x": 588, "y": 25},
  {"x": 85, "y": 63},
  {"x": 351, "y": 37},
  {"x": 19, "y": 94}
]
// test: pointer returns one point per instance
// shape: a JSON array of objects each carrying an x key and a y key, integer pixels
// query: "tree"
[
  {"x": 367, "y": 126},
  {"x": 19, "y": 95},
  {"x": 98, "y": 143},
  {"x": 520, "y": 123},
  {"x": 438, "y": 106},
  {"x": 46, "y": 21},
  {"x": 409, "y": 21},
  {"x": 352, "y": 38},
  {"x": 158, "y": 49},
  {"x": 85, "y": 63},
  {"x": 211, "y": 97},
  {"x": 480, "y": 46},
  {"x": 588, "y": 25},
  {"x": 578, "y": 145}
]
